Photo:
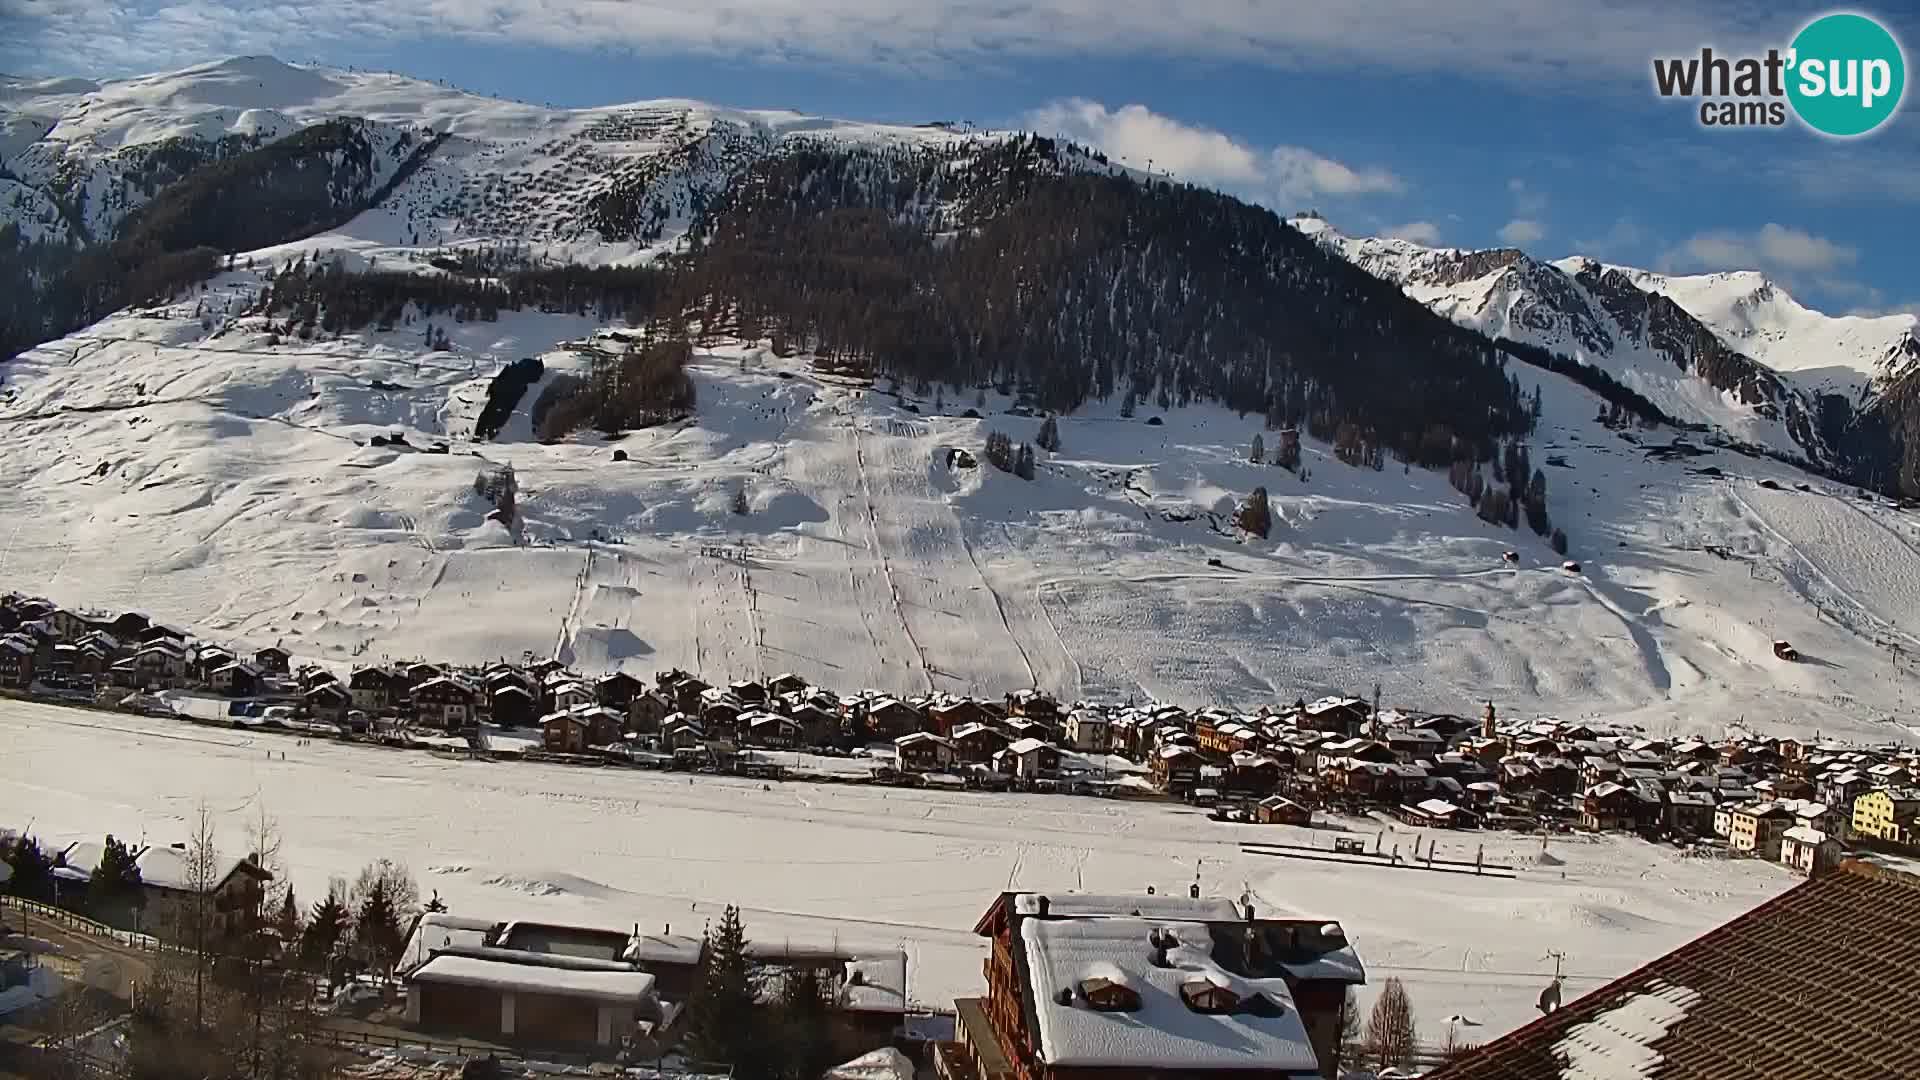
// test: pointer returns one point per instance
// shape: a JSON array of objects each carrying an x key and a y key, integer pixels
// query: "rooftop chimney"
[{"x": 1043, "y": 905}]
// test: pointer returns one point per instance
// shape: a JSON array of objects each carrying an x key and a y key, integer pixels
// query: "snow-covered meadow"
[
  {"x": 226, "y": 483},
  {"x": 860, "y": 865}
]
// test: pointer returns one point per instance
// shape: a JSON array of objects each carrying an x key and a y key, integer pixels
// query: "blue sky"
[{"x": 1530, "y": 122}]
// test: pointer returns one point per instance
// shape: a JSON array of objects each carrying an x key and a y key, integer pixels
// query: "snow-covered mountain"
[
  {"x": 210, "y": 456},
  {"x": 1754, "y": 315},
  {"x": 77, "y": 157}
]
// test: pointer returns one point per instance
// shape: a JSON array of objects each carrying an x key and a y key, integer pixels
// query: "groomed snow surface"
[
  {"x": 861, "y": 866},
  {"x": 223, "y": 483}
]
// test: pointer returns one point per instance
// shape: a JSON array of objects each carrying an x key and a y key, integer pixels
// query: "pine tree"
[
  {"x": 325, "y": 929},
  {"x": 723, "y": 1016},
  {"x": 32, "y": 870},
  {"x": 114, "y": 888},
  {"x": 739, "y": 504},
  {"x": 999, "y": 451},
  {"x": 1049, "y": 437},
  {"x": 803, "y": 1026},
  {"x": 1128, "y": 404},
  {"x": 287, "y": 920},
  {"x": 1392, "y": 1036},
  {"x": 1259, "y": 453},
  {"x": 1023, "y": 464},
  {"x": 376, "y": 926},
  {"x": 1256, "y": 516},
  {"x": 1559, "y": 542}
]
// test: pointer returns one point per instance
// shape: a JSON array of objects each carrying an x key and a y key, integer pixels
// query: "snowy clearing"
[{"x": 860, "y": 865}]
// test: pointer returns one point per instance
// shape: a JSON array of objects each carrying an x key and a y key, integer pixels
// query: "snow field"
[{"x": 860, "y": 865}]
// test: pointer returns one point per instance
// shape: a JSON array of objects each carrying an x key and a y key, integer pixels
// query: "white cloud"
[
  {"x": 1521, "y": 232},
  {"x": 1527, "y": 203},
  {"x": 1620, "y": 239},
  {"x": 1137, "y": 136},
  {"x": 1419, "y": 232},
  {"x": 1613, "y": 39},
  {"x": 1772, "y": 247}
]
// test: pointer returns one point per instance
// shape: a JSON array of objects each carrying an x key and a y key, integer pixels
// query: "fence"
[{"x": 81, "y": 924}]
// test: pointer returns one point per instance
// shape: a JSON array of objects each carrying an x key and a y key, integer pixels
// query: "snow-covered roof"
[
  {"x": 618, "y": 987},
  {"x": 1157, "y": 906},
  {"x": 676, "y": 949},
  {"x": 1027, "y": 746},
  {"x": 1164, "y": 1032},
  {"x": 1437, "y": 807},
  {"x": 1805, "y": 834},
  {"x": 169, "y": 868},
  {"x": 438, "y": 930},
  {"x": 876, "y": 983}
]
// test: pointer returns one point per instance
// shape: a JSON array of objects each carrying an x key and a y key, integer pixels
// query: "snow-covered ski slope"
[
  {"x": 860, "y": 866},
  {"x": 220, "y": 481}
]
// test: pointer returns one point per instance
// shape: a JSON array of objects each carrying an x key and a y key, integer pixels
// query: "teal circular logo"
[{"x": 1847, "y": 75}]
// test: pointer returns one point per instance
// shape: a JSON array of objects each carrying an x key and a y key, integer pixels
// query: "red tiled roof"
[{"x": 1821, "y": 981}]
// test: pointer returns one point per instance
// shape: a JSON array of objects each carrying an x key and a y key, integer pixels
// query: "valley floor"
[{"x": 857, "y": 864}]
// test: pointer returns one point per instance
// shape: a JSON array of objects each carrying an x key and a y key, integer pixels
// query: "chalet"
[
  {"x": 1757, "y": 829},
  {"x": 647, "y": 711},
  {"x": 445, "y": 702},
  {"x": 720, "y": 717},
  {"x": 328, "y": 702},
  {"x": 681, "y": 733},
  {"x": 72, "y": 625},
  {"x": 1139, "y": 987},
  {"x": 207, "y": 659},
  {"x": 947, "y": 717},
  {"x": 617, "y": 690},
  {"x": 542, "y": 668},
  {"x": 1176, "y": 769},
  {"x": 1280, "y": 810},
  {"x": 568, "y": 694},
  {"x": 313, "y": 675},
  {"x": 818, "y": 727},
  {"x": 573, "y": 731},
  {"x": 1248, "y": 773},
  {"x": 422, "y": 672},
  {"x": 1033, "y": 759},
  {"x": 889, "y": 718},
  {"x": 976, "y": 743},
  {"x": 1689, "y": 813},
  {"x": 1842, "y": 788},
  {"x": 272, "y": 660},
  {"x": 173, "y": 891},
  {"x": 1357, "y": 749},
  {"x": 511, "y": 704},
  {"x": 1611, "y": 807},
  {"x": 1335, "y": 715},
  {"x": 237, "y": 678},
  {"x": 786, "y": 683},
  {"x": 1034, "y": 705},
  {"x": 160, "y": 664},
  {"x": 1809, "y": 851},
  {"x": 923, "y": 751},
  {"x": 769, "y": 730},
  {"x": 16, "y": 662},
  {"x": 686, "y": 690},
  {"x": 748, "y": 692},
  {"x": 376, "y": 689},
  {"x": 1088, "y": 731},
  {"x": 1413, "y": 744},
  {"x": 1437, "y": 814}
]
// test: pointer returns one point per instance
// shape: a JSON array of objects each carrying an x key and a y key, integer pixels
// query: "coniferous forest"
[{"x": 1016, "y": 265}]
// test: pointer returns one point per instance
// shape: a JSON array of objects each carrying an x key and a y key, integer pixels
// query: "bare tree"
[
  {"x": 1350, "y": 1046},
  {"x": 1391, "y": 1036},
  {"x": 202, "y": 876},
  {"x": 1453, "y": 1047}
]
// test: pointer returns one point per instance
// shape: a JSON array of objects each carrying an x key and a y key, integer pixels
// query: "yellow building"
[{"x": 1888, "y": 814}]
